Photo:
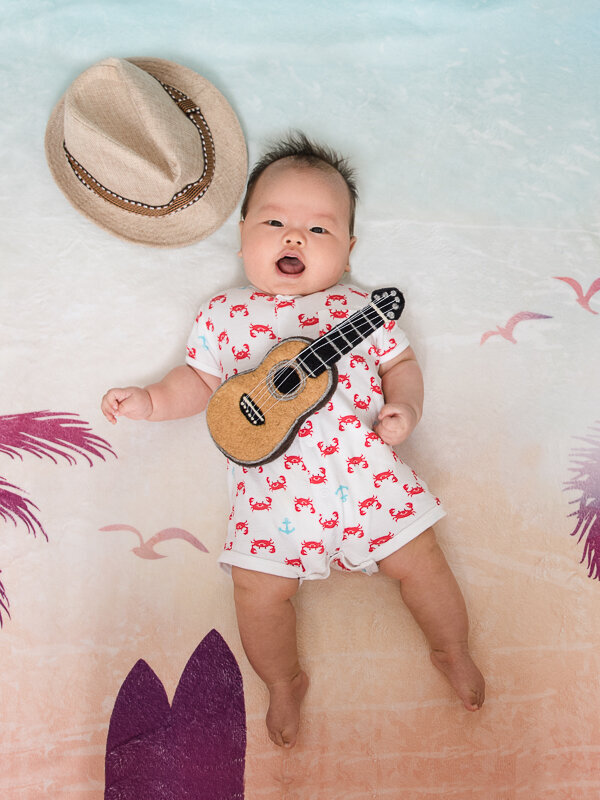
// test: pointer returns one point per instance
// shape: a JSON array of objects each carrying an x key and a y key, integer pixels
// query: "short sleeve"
[
  {"x": 202, "y": 350},
  {"x": 390, "y": 340}
]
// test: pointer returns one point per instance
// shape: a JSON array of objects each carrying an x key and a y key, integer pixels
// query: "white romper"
[{"x": 339, "y": 496}]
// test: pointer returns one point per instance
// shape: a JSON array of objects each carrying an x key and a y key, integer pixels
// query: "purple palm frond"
[
  {"x": 50, "y": 434},
  {"x": 15, "y": 508},
  {"x": 4, "y": 604},
  {"x": 587, "y": 481}
]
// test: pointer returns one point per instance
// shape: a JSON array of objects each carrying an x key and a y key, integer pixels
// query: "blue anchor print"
[
  {"x": 203, "y": 340},
  {"x": 286, "y": 527},
  {"x": 343, "y": 492}
]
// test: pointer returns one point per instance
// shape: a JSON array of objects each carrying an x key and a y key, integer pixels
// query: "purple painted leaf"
[
  {"x": 587, "y": 481},
  {"x": 49, "y": 434},
  {"x": 15, "y": 508},
  {"x": 192, "y": 751}
]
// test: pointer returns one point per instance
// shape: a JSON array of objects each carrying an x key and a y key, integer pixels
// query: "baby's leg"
[
  {"x": 267, "y": 624},
  {"x": 432, "y": 595}
]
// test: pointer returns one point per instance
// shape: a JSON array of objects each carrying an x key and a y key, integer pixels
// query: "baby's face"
[{"x": 295, "y": 237}]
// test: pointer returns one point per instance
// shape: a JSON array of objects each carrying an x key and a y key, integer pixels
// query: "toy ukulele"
[{"x": 255, "y": 414}]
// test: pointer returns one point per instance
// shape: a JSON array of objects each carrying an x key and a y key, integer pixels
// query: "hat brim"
[{"x": 198, "y": 220}]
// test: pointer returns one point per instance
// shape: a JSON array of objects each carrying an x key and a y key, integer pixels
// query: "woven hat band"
[{"x": 182, "y": 199}]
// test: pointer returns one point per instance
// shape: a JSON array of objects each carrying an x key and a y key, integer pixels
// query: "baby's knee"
[
  {"x": 262, "y": 586},
  {"x": 421, "y": 551}
]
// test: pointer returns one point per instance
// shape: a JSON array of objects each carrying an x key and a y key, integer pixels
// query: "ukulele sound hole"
[{"x": 286, "y": 380}]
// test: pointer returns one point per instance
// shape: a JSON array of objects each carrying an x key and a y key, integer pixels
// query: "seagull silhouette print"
[
  {"x": 583, "y": 299},
  {"x": 146, "y": 549},
  {"x": 507, "y": 331}
]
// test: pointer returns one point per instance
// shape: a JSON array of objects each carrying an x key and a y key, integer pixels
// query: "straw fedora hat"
[{"x": 149, "y": 150}]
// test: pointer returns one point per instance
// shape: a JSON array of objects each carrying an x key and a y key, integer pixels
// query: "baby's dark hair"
[{"x": 304, "y": 152}]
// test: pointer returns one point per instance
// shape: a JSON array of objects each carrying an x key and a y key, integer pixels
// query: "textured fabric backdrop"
[{"x": 474, "y": 127}]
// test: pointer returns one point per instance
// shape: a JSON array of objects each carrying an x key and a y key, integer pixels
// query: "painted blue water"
[{"x": 483, "y": 112}]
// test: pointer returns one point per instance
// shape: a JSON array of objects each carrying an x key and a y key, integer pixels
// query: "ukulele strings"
[{"x": 359, "y": 317}]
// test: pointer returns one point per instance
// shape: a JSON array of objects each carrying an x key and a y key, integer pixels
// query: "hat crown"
[{"x": 122, "y": 126}]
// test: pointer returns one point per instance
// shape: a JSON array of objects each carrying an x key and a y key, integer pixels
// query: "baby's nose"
[{"x": 294, "y": 237}]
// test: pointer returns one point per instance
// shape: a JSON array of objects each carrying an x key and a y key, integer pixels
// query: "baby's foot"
[
  {"x": 460, "y": 669},
  {"x": 283, "y": 716}
]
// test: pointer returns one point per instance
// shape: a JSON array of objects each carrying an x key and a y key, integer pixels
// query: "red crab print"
[
  {"x": 336, "y": 298},
  {"x": 362, "y": 403},
  {"x": 256, "y": 295},
  {"x": 210, "y": 325},
  {"x": 326, "y": 329},
  {"x": 242, "y": 527},
  {"x": 344, "y": 380},
  {"x": 304, "y": 502},
  {"x": 329, "y": 524},
  {"x": 354, "y": 530},
  {"x": 348, "y": 419},
  {"x": 340, "y": 565},
  {"x": 262, "y": 544},
  {"x": 295, "y": 562},
  {"x": 306, "y": 429},
  {"x": 240, "y": 488},
  {"x": 356, "y": 359},
  {"x": 407, "y": 511},
  {"x": 356, "y": 291},
  {"x": 356, "y": 461},
  {"x": 371, "y": 438},
  {"x": 260, "y": 505},
  {"x": 306, "y": 322},
  {"x": 329, "y": 449},
  {"x": 387, "y": 475},
  {"x": 291, "y": 461},
  {"x": 223, "y": 338},
  {"x": 373, "y": 543},
  {"x": 256, "y": 329},
  {"x": 411, "y": 491},
  {"x": 376, "y": 351},
  {"x": 242, "y": 309},
  {"x": 228, "y": 546},
  {"x": 284, "y": 304},
  {"x": 318, "y": 477},
  {"x": 338, "y": 313},
  {"x": 191, "y": 351},
  {"x": 306, "y": 546},
  {"x": 367, "y": 503},
  {"x": 375, "y": 387},
  {"x": 275, "y": 485},
  {"x": 243, "y": 352},
  {"x": 198, "y": 317},
  {"x": 220, "y": 298}
]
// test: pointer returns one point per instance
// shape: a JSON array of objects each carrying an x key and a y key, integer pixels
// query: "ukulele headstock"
[{"x": 389, "y": 301}]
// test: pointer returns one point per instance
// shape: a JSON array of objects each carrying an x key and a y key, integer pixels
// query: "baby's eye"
[
  {"x": 318, "y": 229},
  {"x": 275, "y": 223}
]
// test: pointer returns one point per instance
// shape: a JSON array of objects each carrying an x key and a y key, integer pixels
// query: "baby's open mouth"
[{"x": 290, "y": 265}]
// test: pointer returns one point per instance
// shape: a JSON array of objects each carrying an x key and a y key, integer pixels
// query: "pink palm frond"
[
  {"x": 4, "y": 604},
  {"x": 50, "y": 434},
  {"x": 587, "y": 481},
  {"x": 15, "y": 508}
]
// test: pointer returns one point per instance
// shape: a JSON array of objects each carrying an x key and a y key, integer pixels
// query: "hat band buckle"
[{"x": 182, "y": 199}]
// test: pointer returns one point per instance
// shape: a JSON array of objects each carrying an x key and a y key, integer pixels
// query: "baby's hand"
[
  {"x": 396, "y": 422},
  {"x": 132, "y": 402}
]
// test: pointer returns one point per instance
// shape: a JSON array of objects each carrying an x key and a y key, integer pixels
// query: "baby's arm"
[
  {"x": 183, "y": 392},
  {"x": 402, "y": 384}
]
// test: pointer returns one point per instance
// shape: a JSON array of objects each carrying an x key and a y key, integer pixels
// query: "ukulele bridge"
[{"x": 251, "y": 411}]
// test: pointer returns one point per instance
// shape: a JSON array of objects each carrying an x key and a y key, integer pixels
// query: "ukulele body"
[{"x": 277, "y": 414}]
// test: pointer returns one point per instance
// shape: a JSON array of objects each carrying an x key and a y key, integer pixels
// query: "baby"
[{"x": 339, "y": 497}]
